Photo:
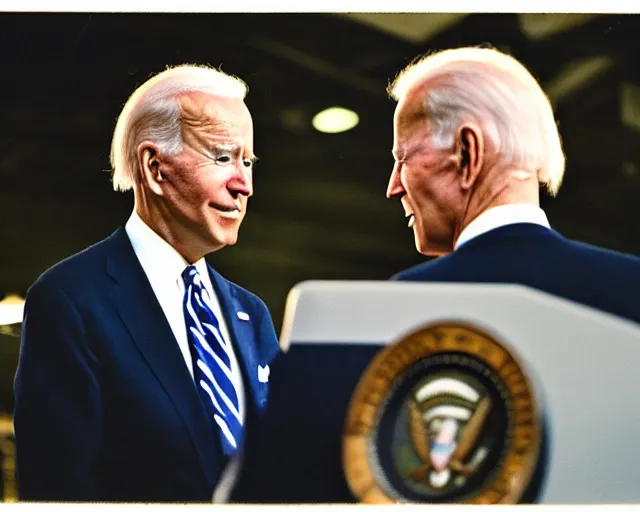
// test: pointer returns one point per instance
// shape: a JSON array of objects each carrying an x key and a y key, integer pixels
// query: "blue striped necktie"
[{"x": 212, "y": 368}]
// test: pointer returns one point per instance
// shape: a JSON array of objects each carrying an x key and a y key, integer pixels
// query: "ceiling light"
[
  {"x": 335, "y": 120},
  {"x": 540, "y": 26},
  {"x": 415, "y": 27},
  {"x": 11, "y": 310},
  {"x": 575, "y": 76},
  {"x": 630, "y": 105}
]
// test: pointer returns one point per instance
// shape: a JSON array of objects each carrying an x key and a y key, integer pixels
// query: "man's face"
[
  {"x": 209, "y": 182},
  {"x": 425, "y": 178}
]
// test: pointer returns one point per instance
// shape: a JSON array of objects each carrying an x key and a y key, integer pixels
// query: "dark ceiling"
[{"x": 319, "y": 211}]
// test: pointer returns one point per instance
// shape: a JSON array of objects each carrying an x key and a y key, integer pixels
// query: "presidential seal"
[{"x": 444, "y": 415}]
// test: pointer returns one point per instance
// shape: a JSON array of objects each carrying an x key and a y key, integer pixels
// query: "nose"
[
  {"x": 395, "y": 185},
  {"x": 241, "y": 183}
]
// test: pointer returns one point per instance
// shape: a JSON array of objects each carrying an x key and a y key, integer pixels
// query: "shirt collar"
[
  {"x": 499, "y": 216},
  {"x": 156, "y": 255}
]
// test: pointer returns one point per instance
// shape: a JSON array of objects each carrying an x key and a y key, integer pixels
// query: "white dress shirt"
[
  {"x": 499, "y": 216},
  {"x": 163, "y": 266}
]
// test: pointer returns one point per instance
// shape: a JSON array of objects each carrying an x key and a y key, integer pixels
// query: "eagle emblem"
[
  {"x": 445, "y": 436},
  {"x": 444, "y": 415}
]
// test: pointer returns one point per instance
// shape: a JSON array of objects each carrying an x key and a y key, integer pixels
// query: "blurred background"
[{"x": 319, "y": 210}]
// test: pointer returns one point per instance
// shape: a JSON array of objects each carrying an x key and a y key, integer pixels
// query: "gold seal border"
[{"x": 519, "y": 463}]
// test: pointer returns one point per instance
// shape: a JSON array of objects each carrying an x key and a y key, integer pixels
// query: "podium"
[{"x": 580, "y": 369}]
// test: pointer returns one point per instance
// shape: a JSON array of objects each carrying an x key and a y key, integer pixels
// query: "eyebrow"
[{"x": 227, "y": 147}]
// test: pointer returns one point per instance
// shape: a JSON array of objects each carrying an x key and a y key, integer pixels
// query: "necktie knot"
[{"x": 190, "y": 276}]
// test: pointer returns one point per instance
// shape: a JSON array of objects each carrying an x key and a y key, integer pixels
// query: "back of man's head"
[
  {"x": 495, "y": 90},
  {"x": 152, "y": 113}
]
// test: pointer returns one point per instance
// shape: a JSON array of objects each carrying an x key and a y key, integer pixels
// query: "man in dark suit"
[
  {"x": 143, "y": 373},
  {"x": 474, "y": 137}
]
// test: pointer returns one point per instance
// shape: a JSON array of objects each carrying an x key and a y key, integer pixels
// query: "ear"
[
  {"x": 470, "y": 151},
  {"x": 149, "y": 164}
]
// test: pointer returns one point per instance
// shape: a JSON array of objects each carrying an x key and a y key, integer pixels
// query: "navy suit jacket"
[
  {"x": 105, "y": 408},
  {"x": 541, "y": 258}
]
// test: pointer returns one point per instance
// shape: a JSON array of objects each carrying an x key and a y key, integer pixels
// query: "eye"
[
  {"x": 224, "y": 159},
  {"x": 247, "y": 162}
]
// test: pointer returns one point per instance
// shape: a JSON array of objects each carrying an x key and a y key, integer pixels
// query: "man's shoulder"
[
  {"x": 425, "y": 271},
  {"x": 77, "y": 268},
  {"x": 604, "y": 255},
  {"x": 556, "y": 254}
]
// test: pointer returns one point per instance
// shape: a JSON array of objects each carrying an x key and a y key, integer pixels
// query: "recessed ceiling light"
[
  {"x": 335, "y": 120},
  {"x": 11, "y": 310}
]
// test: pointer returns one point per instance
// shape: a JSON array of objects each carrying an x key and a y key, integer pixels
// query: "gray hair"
[
  {"x": 496, "y": 91},
  {"x": 152, "y": 113}
]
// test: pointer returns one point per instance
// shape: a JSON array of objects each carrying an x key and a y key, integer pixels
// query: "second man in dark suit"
[{"x": 474, "y": 138}]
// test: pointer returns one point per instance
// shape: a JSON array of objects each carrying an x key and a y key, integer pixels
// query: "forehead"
[
  {"x": 412, "y": 104},
  {"x": 203, "y": 110},
  {"x": 410, "y": 117}
]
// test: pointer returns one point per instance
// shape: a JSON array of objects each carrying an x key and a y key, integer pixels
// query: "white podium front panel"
[{"x": 585, "y": 364}]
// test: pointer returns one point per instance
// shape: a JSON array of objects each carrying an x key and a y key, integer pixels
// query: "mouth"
[
  {"x": 227, "y": 210},
  {"x": 408, "y": 213},
  {"x": 412, "y": 219}
]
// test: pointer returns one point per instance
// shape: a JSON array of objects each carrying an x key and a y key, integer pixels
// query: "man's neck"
[
  {"x": 160, "y": 223},
  {"x": 514, "y": 187}
]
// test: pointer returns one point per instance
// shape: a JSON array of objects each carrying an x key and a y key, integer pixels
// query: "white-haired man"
[
  {"x": 474, "y": 137},
  {"x": 143, "y": 372}
]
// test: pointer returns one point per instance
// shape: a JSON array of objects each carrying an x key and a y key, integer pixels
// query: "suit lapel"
[
  {"x": 141, "y": 313},
  {"x": 242, "y": 336}
]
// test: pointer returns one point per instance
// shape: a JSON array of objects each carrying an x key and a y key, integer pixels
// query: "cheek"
[
  {"x": 417, "y": 186},
  {"x": 192, "y": 179},
  {"x": 201, "y": 188},
  {"x": 190, "y": 196},
  {"x": 434, "y": 185}
]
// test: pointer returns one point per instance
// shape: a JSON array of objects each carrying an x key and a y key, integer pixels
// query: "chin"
[
  {"x": 426, "y": 248},
  {"x": 220, "y": 235},
  {"x": 421, "y": 245},
  {"x": 427, "y": 251},
  {"x": 226, "y": 239}
]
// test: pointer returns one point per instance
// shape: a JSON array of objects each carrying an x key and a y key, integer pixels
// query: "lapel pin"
[
  {"x": 242, "y": 315},
  {"x": 263, "y": 373}
]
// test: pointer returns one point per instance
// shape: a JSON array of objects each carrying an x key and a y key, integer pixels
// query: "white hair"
[
  {"x": 498, "y": 92},
  {"x": 152, "y": 113}
]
